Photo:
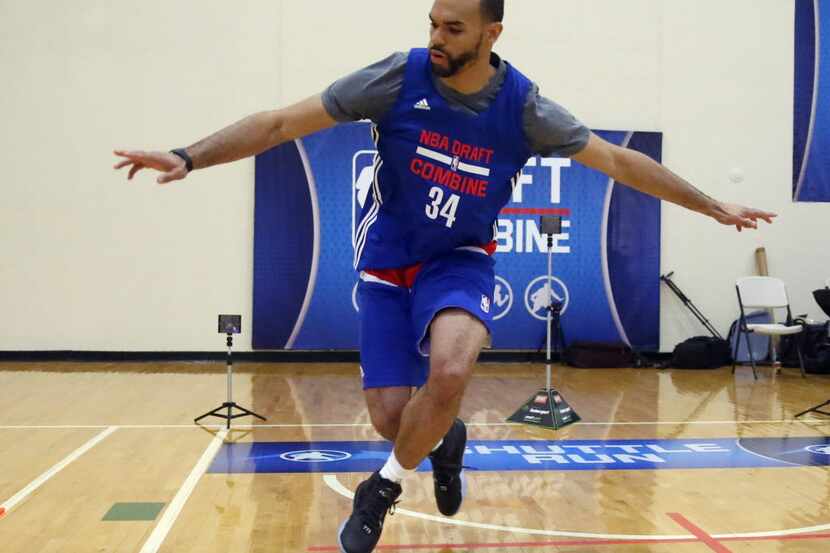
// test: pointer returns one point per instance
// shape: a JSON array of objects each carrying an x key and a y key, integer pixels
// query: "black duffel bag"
[
  {"x": 701, "y": 352},
  {"x": 819, "y": 362},
  {"x": 814, "y": 341},
  {"x": 598, "y": 355}
]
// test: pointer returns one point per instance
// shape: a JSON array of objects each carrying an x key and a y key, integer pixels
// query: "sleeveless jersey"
[{"x": 441, "y": 176}]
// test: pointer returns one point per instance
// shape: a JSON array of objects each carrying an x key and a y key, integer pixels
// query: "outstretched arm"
[
  {"x": 249, "y": 136},
  {"x": 646, "y": 175}
]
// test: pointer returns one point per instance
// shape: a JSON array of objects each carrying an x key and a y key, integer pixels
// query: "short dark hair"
[{"x": 492, "y": 10}]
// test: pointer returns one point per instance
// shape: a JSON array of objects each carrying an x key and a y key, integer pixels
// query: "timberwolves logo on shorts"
[
  {"x": 362, "y": 174},
  {"x": 539, "y": 295},
  {"x": 502, "y": 298}
]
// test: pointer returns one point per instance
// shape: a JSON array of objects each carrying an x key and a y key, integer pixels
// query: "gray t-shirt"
[{"x": 371, "y": 92}]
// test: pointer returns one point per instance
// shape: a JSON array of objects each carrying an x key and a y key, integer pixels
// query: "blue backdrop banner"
[
  {"x": 606, "y": 261},
  {"x": 811, "y": 123}
]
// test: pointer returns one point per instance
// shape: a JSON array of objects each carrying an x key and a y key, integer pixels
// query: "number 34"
[{"x": 447, "y": 211}]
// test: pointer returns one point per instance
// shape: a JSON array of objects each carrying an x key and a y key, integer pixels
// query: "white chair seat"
[
  {"x": 775, "y": 329},
  {"x": 767, "y": 293}
]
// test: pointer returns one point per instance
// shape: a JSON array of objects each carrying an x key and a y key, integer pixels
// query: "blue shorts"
[{"x": 395, "y": 320}]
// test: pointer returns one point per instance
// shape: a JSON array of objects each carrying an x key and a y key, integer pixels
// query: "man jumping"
[{"x": 454, "y": 124}]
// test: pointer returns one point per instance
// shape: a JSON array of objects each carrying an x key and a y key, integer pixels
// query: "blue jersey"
[{"x": 441, "y": 176}]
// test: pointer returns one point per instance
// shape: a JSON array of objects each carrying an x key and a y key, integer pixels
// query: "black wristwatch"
[{"x": 182, "y": 153}]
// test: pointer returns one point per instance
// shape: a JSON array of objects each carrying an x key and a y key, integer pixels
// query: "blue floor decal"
[{"x": 533, "y": 455}]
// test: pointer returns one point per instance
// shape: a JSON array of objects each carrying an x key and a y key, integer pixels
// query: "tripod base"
[
  {"x": 546, "y": 408},
  {"x": 816, "y": 409},
  {"x": 229, "y": 406}
]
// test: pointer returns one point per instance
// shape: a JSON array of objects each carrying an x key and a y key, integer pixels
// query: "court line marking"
[
  {"x": 699, "y": 533},
  {"x": 332, "y": 482},
  {"x": 10, "y": 503},
  {"x": 740, "y": 446},
  {"x": 368, "y": 425},
  {"x": 175, "y": 508}
]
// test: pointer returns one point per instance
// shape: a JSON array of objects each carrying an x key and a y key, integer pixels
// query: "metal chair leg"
[
  {"x": 751, "y": 357},
  {"x": 800, "y": 360}
]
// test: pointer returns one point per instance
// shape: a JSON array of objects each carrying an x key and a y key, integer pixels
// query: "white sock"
[
  {"x": 393, "y": 470},
  {"x": 439, "y": 444}
]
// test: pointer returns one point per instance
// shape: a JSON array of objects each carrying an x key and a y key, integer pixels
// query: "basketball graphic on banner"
[{"x": 540, "y": 294}]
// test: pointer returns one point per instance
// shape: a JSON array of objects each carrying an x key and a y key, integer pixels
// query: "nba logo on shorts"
[
  {"x": 362, "y": 174},
  {"x": 485, "y": 304}
]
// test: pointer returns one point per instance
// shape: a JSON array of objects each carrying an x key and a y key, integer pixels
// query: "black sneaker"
[
  {"x": 372, "y": 500},
  {"x": 446, "y": 469}
]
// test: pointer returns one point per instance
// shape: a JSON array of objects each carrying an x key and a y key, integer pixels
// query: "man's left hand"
[{"x": 739, "y": 216}]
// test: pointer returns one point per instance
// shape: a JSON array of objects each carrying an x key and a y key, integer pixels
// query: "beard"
[{"x": 455, "y": 63}]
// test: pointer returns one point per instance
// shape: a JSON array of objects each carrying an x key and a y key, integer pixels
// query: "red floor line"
[
  {"x": 566, "y": 543},
  {"x": 508, "y": 545},
  {"x": 699, "y": 533}
]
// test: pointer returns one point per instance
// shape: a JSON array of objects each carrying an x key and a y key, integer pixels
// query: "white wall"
[{"x": 90, "y": 261}]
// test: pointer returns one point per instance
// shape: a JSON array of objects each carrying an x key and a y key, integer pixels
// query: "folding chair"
[{"x": 765, "y": 293}]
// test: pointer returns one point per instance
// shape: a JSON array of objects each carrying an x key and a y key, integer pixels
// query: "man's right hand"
[{"x": 171, "y": 166}]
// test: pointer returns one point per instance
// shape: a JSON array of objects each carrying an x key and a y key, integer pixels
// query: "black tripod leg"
[
  {"x": 212, "y": 413},
  {"x": 230, "y": 406},
  {"x": 815, "y": 409},
  {"x": 247, "y": 412},
  {"x": 691, "y": 306}
]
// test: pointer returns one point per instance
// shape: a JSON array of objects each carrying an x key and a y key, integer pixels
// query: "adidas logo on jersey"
[{"x": 423, "y": 104}]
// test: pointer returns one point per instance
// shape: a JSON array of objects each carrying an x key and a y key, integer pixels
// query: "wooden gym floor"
[{"x": 79, "y": 441}]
